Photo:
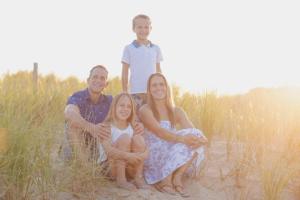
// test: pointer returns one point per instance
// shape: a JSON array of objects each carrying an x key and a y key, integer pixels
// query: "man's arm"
[
  {"x": 125, "y": 76},
  {"x": 74, "y": 119}
]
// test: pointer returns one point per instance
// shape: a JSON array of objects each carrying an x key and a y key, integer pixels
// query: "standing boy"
[{"x": 142, "y": 57}]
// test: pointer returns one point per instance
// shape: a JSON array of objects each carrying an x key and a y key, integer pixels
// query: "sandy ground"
[{"x": 216, "y": 182}]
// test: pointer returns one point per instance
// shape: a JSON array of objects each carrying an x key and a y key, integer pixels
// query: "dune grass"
[{"x": 261, "y": 129}]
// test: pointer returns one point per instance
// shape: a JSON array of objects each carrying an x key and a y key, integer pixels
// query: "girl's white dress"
[{"x": 165, "y": 157}]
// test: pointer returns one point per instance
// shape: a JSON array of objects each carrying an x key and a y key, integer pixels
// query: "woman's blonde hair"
[
  {"x": 112, "y": 118},
  {"x": 168, "y": 101}
]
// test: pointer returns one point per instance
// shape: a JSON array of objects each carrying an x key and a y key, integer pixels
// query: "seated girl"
[{"x": 125, "y": 151}]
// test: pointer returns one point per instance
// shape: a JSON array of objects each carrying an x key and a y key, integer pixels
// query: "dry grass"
[{"x": 261, "y": 129}]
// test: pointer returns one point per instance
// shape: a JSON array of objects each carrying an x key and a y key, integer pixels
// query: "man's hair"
[
  {"x": 140, "y": 16},
  {"x": 97, "y": 66}
]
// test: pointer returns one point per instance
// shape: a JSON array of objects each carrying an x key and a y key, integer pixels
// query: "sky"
[{"x": 224, "y": 46}]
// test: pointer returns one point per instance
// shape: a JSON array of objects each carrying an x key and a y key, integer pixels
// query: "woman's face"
[{"x": 158, "y": 88}]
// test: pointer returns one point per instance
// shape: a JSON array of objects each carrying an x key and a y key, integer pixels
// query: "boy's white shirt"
[{"x": 142, "y": 60}]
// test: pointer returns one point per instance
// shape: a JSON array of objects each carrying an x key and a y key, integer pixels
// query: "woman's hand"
[
  {"x": 194, "y": 141},
  {"x": 138, "y": 128}
]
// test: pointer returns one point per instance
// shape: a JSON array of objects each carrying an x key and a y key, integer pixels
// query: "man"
[{"x": 85, "y": 112}]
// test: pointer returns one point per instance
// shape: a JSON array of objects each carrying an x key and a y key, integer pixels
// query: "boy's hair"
[
  {"x": 111, "y": 117},
  {"x": 140, "y": 16},
  {"x": 97, "y": 66}
]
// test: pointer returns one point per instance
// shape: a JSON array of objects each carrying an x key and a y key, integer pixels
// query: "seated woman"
[{"x": 171, "y": 152}]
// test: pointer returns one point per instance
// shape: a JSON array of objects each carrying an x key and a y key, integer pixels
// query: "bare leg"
[
  {"x": 166, "y": 185},
  {"x": 138, "y": 146},
  {"x": 123, "y": 144},
  {"x": 177, "y": 178}
]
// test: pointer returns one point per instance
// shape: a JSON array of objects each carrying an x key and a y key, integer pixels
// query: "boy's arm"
[
  {"x": 125, "y": 76},
  {"x": 158, "y": 69}
]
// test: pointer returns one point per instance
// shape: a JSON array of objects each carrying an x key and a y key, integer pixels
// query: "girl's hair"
[
  {"x": 111, "y": 117},
  {"x": 143, "y": 16},
  {"x": 168, "y": 101}
]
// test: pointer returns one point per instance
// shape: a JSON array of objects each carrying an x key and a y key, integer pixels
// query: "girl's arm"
[{"x": 116, "y": 154}]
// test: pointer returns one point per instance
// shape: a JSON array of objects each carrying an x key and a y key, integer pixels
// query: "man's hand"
[
  {"x": 138, "y": 128},
  {"x": 104, "y": 131},
  {"x": 100, "y": 131}
]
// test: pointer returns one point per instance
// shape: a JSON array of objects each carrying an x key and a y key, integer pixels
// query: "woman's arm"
[
  {"x": 182, "y": 118},
  {"x": 151, "y": 123}
]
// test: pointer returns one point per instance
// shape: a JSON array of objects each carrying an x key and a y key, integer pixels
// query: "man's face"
[
  {"x": 142, "y": 28},
  {"x": 97, "y": 81}
]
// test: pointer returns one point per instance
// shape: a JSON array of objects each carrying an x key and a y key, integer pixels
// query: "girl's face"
[
  {"x": 158, "y": 88},
  {"x": 123, "y": 108}
]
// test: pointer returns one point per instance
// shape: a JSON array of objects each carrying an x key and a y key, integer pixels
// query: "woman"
[{"x": 171, "y": 152}]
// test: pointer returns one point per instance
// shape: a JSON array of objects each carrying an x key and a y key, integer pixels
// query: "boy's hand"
[{"x": 138, "y": 128}]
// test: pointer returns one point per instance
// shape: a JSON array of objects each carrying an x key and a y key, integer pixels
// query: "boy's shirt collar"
[{"x": 137, "y": 45}]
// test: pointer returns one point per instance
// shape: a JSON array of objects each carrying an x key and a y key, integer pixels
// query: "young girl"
[{"x": 125, "y": 151}]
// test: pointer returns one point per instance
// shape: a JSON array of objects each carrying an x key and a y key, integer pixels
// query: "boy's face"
[{"x": 142, "y": 28}]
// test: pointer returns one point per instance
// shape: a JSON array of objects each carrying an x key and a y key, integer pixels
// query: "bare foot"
[
  {"x": 165, "y": 188},
  {"x": 178, "y": 186},
  {"x": 140, "y": 183},
  {"x": 126, "y": 185}
]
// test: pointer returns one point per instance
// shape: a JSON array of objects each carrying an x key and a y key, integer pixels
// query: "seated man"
[{"x": 84, "y": 113}]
